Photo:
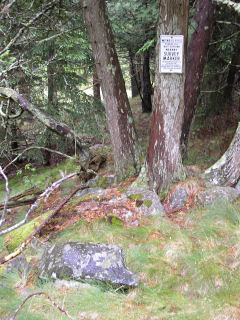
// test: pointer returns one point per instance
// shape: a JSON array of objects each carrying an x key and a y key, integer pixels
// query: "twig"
[
  {"x": 39, "y": 148},
  {"x": 43, "y": 224},
  {"x": 38, "y": 294},
  {"x": 7, "y": 196},
  {"x": 44, "y": 196}
]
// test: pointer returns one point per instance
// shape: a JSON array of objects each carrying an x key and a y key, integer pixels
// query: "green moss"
[
  {"x": 147, "y": 203},
  {"x": 136, "y": 196},
  {"x": 16, "y": 237},
  {"x": 114, "y": 220}
]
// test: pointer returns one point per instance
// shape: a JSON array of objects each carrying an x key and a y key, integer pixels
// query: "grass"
[{"x": 186, "y": 273}]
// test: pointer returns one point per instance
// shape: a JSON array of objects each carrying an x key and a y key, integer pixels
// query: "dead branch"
[
  {"x": 15, "y": 201},
  {"x": 40, "y": 148},
  {"x": 38, "y": 294},
  {"x": 44, "y": 196},
  {"x": 55, "y": 126},
  {"x": 28, "y": 24},
  {"x": 43, "y": 224},
  {"x": 19, "y": 203},
  {"x": 7, "y": 196}
]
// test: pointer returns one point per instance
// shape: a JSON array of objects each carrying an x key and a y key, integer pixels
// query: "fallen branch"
[
  {"x": 7, "y": 196},
  {"x": 29, "y": 192},
  {"x": 19, "y": 203},
  {"x": 44, "y": 196},
  {"x": 55, "y": 126},
  {"x": 38, "y": 294},
  {"x": 43, "y": 224},
  {"x": 40, "y": 148}
]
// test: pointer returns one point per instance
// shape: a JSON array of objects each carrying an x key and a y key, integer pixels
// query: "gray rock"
[
  {"x": 91, "y": 191},
  {"x": 179, "y": 198},
  {"x": 217, "y": 194},
  {"x": 86, "y": 261},
  {"x": 148, "y": 201}
]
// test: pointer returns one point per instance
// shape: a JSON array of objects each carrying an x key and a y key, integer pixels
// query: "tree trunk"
[
  {"x": 226, "y": 171},
  {"x": 233, "y": 69},
  {"x": 119, "y": 116},
  {"x": 96, "y": 86},
  {"x": 55, "y": 126},
  {"x": 135, "y": 85},
  {"x": 52, "y": 98},
  {"x": 196, "y": 60},
  {"x": 147, "y": 86},
  {"x": 164, "y": 161}
]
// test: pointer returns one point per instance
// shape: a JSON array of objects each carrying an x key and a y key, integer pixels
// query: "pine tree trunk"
[
  {"x": 233, "y": 69},
  {"x": 135, "y": 86},
  {"x": 196, "y": 60},
  {"x": 147, "y": 86},
  {"x": 96, "y": 86},
  {"x": 226, "y": 171},
  {"x": 119, "y": 116},
  {"x": 164, "y": 161},
  {"x": 52, "y": 97}
]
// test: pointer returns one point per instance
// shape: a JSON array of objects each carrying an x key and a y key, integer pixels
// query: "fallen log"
[{"x": 43, "y": 224}]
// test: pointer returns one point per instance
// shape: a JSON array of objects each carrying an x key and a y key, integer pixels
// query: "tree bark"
[
  {"x": 135, "y": 85},
  {"x": 226, "y": 171},
  {"x": 52, "y": 97},
  {"x": 119, "y": 116},
  {"x": 55, "y": 126},
  {"x": 233, "y": 69},
  {"x": 196, "y": 60},
  {"x": 147, "y": 86},
  {"x": 96, "y": 86},
  {"x": 164, "y": 161}
]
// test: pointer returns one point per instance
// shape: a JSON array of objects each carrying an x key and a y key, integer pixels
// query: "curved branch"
[
  {"x": 38, "y": 294},
  {"x": 13, "y": 116},
  {"x": 55, "y": 126}
]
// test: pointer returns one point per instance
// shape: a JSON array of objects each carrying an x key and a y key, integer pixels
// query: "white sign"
[{"x": 171, "y": 53}]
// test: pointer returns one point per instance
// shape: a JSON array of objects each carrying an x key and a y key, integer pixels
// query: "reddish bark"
[
  {"x": 119, "y": 115},
  {"x": 196, "y": 60},
  {"x": 96, "y": 86},
  {"x": 164, "y": 162}
]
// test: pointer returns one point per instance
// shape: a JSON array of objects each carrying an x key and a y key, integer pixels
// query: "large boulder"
[
  {"x": 217, "y": 194},
  {"x": 86, "y": 261}
]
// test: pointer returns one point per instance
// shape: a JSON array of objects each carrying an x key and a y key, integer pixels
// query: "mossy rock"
[
  {"x": 16, "y": 237},
  {"x": 136, "y": 196}
]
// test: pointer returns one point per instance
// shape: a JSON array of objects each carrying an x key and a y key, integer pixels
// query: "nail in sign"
[{"x": 171, "y": 53}]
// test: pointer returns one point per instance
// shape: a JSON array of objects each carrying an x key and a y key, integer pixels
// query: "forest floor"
[{"x": 188, "y": 262}]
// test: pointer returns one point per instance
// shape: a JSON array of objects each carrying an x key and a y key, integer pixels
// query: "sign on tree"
[{"x": 171, "y": 53}]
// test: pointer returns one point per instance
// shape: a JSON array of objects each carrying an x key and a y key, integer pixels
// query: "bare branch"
[
  {"x": 43, "y": 224},
  {"x": 7, "y": 197},
  {"x": 28, "y": 24},
  {"x": 55, "y": 126},
  {"x": 38, "y": 294},
  {"x": 44, "y": 196},
  {"x": 40, "y": 148}
]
